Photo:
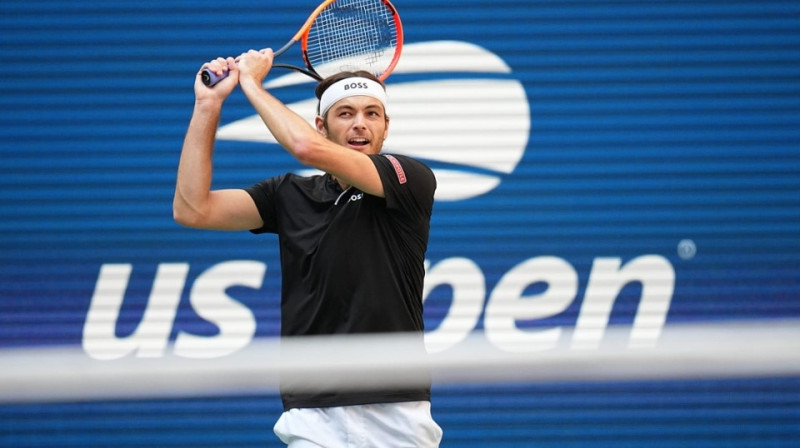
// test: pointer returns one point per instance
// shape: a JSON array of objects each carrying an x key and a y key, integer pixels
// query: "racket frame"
[{"x": 209, "y": 78}]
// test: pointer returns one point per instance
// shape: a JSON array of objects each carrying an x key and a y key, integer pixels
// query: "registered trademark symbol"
[{"x": 687, "y": 249}]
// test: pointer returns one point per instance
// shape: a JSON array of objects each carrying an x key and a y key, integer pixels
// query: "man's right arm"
[{"x": 194, "y": 204}]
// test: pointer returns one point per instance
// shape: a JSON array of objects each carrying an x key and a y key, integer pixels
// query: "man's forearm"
[
  {"x": 195, "y": 167},
  {"x": 291, "y": 131}
]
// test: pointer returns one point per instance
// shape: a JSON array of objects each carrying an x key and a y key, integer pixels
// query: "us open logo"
[{"x": 476, "y": 127}]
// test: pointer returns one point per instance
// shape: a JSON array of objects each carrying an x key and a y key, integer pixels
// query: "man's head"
[{"x": 352, "y": 111}]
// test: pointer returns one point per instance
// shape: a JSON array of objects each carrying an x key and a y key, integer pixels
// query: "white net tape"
[{"x": 721, "y": 350}]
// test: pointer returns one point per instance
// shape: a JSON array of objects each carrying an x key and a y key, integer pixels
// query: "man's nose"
[{"x": 359, "y": 120}]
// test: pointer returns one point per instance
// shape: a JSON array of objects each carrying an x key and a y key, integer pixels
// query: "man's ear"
[
  {"x": 320, "y": 123},
  {"x": 386, "y": 131}
]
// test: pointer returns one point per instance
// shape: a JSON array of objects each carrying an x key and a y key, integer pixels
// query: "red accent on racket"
[{"x": 344, "y": 35}]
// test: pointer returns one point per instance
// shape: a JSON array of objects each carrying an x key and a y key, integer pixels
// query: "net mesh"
[{"x": 353, "y": 35}]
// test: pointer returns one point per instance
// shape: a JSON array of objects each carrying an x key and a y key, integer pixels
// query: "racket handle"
[{"x": 210, "y": 78}]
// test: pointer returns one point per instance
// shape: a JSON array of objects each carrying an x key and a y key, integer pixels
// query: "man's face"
[{"x": 356, "y": 122}]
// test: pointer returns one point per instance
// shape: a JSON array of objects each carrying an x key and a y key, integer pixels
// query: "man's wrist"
[
  {"x": 249, "y": 84},
  {"x": 208, "y": 105}
]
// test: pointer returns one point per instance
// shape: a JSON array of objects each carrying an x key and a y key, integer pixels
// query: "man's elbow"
[
  {"x": 186, "y": 216},
  {"x": 181, "y": 218}
]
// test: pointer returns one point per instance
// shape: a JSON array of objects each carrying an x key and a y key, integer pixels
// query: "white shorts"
[{"x": 390, "y": 425}]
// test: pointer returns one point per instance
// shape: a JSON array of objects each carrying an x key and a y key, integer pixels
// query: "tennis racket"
[{"x": 344, "y": 35}]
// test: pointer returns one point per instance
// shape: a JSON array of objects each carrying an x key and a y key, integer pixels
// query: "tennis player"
[{"x": 352, "y": 240}]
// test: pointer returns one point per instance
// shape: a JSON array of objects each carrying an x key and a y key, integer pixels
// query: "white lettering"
[
  {"x": 507, "y": 304},
  {"x": 236, "y": 322},
  {"x": 469, "y": 288},
  {"x": 508, "y": 308},
  {"x": 607, "y": 279},
  {"x": 150, "y": 338}
]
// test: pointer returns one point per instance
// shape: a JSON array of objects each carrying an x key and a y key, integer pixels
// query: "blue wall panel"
[{"x": 661, "y": 128}]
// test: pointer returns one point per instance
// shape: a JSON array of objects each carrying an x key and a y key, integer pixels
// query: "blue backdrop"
[{"x": 653, "y": 146}]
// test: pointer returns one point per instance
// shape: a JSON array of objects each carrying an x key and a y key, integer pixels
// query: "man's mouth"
[{"x": 358, "y": 142}]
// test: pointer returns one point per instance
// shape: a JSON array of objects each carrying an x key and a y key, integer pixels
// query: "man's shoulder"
[
  {"x": 403, "y": 159},
  {"x": 403, "y": 163}
]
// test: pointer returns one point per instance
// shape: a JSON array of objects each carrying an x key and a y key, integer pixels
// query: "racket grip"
[{"x": 210, "y": 78}]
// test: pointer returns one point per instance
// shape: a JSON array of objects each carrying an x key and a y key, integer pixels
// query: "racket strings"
[{"x": 352, "y": 34}]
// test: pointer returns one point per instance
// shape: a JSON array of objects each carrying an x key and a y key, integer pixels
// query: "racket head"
[{"x": 352, "y": 35}]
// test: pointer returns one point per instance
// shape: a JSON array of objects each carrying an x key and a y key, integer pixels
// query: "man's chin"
[{"x": 365, "y": 149}]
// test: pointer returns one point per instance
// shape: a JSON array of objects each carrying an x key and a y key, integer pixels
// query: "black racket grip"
[{"x": 210, "y": 78}]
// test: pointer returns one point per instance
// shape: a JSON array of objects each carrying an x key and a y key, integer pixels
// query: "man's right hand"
[{"x": 223, "y": 88}]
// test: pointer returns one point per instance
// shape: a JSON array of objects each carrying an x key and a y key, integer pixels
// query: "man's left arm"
[{"x": 297, "y": 136}]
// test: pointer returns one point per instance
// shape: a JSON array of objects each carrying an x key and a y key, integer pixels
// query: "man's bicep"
[
  {"x": 366, "y": 176},
  {"x": 232, "y": 210},
  {"x": 349, "y": 166}
]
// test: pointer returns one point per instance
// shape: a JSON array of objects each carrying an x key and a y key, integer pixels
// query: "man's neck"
[{"x": 342, "y": 185}]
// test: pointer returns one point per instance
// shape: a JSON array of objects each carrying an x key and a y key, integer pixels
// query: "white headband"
[{"x": 351, "y": 87}]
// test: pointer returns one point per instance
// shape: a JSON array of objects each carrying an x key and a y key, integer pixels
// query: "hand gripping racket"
[{"x": 342, "y": 35}]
